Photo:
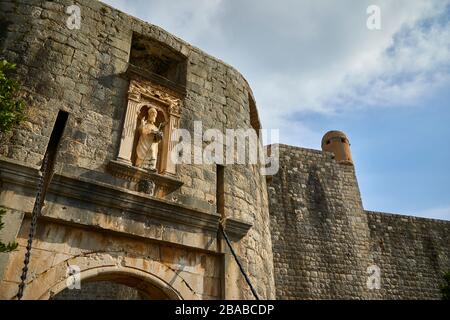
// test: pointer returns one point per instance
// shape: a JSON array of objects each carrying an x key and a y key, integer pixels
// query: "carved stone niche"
[{"x": 142, "y": 96}]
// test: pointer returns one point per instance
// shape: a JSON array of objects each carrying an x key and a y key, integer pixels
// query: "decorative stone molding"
[{"x": 163, "y": 213}]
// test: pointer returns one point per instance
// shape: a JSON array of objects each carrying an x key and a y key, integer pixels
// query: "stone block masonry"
[
  {"x": 412, "y": 253},
  {"x": 324, "y": 241},
  {"x": 319, "y": 230}
]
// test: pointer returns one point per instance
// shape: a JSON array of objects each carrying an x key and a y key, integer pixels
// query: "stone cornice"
[{"x": 106, "y": 195}]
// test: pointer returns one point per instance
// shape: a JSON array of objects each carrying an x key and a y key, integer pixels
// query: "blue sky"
[{"x": 314, "y": 66}]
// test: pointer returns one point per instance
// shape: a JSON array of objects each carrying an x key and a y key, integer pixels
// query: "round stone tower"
[
  {"x": 338, "y": 143},
  {"x": 105, "y": 73}
]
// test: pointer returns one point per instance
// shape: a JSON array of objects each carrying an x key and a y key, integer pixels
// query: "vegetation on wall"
[
  {"x": 445, "y": 288},
  {"x": 11, "y": 106},
  {"x": 5, "y": 247}
]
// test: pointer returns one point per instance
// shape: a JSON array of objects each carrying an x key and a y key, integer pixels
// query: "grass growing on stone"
[{"x": 11, "y": 106}]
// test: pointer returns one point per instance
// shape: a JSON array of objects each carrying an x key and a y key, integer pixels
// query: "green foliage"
[
  {"x": 11, "y": 107},
  {"x": 11, "y": 113},
  {"x": 11, "y": 246},
  {"x": 445, "y": 288}
]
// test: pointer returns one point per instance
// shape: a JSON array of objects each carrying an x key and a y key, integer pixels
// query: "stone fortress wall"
[
  {"x": 324, "y": 241},
  {"x": 412, "y": 253}
]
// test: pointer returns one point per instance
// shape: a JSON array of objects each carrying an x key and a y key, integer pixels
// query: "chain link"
[{"x": 40, "y": 196}]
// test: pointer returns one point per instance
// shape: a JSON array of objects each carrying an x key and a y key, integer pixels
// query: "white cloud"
[
  {"x": 316, "y": 56},
  {"x": 193, "y": 19},
  {"x": 395, "y": 66}
]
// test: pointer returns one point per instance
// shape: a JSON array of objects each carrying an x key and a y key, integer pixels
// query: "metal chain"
[{"x": 36, "y": 212}]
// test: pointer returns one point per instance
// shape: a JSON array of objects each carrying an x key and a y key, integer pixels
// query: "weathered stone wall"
[
  {"x": 318, "y": 227},
  {"x": 80, "y": 71},
  {"x": 100, "y": 290},
  {"x": 412, "y": 253},
  {"x": 323, "y": 240}
]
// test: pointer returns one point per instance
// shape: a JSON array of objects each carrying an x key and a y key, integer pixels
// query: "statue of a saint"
[{"x": 149, "y": 137}]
